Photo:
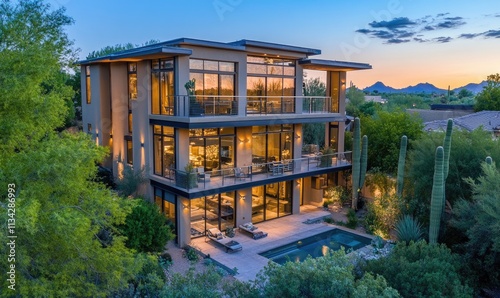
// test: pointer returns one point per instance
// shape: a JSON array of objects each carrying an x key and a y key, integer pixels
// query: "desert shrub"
[
  {"x": 422, "y": 270},
  {"x": 381, "y": 215},
  {"x": 352, "y": 220}
]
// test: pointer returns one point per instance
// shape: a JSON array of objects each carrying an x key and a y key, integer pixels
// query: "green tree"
[
  {"x": 469, "y": 150},
  {"x": 206, "y": 284},
  {"x": 422, "y": 270},
  {"x": 328, "y": 276},
  {"x": 118, "y": 48},
  {"x": 146, "y": 229},
  {"x": 66, "y": 242},
  {"x": 479, "y": 220},
  {"x": 384, "y": 131},
  {"x": 356, "y": 99},
  {"x": 34, "y": 49},
  {"x": 465, "y": 93},
  {"x": 489, "y": 98},
  {"x": 314, "y": 133}
]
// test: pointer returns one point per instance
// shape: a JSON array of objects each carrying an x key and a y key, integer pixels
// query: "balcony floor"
[{"x": 305, "y": 165}]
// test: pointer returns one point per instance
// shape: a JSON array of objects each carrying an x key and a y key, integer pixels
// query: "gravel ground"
[{"x": 180, "y": 264}]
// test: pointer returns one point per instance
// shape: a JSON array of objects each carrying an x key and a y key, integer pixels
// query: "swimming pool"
[{"x": 316, "y": 246}]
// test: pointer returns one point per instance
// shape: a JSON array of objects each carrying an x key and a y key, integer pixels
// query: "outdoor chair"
[
  {"x": 215, "y": 235},
  {"x": 252, "y": 230}
]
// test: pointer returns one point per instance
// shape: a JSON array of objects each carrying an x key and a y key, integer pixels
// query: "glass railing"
[
  {"x": 200, "y": 179},
  {"x": 224, "y": 105}
]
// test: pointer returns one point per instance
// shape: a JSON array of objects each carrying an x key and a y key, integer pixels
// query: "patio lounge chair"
[
  {"x": 253, "y": 231},
  {"x": 215, "y": 235}
]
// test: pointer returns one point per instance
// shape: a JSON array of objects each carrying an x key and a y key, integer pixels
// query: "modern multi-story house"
[{"x": 218, "y": 127}]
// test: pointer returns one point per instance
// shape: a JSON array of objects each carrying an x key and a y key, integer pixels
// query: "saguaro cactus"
[
  {"x": 356, "y": 162},
  {"x": 359, "y": 162},
  {"x": 364, "y": 161},
  {"x": 401, "y": 164},
  {"x": 446, "y": 157},
  {"x": 437, "y": 203}
]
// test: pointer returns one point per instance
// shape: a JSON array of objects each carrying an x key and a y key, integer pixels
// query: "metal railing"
[
  {"x": 225, "y": 105},
  {"x": 255, "y": 172}
]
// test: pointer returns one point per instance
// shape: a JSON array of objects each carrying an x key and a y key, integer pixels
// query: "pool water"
[{"x": 316, "y": 246}]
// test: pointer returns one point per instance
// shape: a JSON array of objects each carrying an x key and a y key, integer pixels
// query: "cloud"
[
  {"x": 393, "y": 24},
  {"x": 403, "y": 29},
  {"x": 492, "y": 33},
  {"x": 442, "y": 39},
  {"x": 397, "y": 40},
  {"x": 469, "y": 35},
  {"x": 486, "y": 34},
  {"x": 451, "y": 23}
]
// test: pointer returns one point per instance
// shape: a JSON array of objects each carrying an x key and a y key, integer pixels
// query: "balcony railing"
[
  {"x": 202, "y": 180},
  {"x": 223, "y": 105}
]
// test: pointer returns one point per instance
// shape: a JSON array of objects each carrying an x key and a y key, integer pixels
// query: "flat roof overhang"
[
  {"x": 157, "y": 181},
  {"x": 332, "y": 65},
  {"x": 241, "y": 121},
  {"x": 140, "y": 54}
]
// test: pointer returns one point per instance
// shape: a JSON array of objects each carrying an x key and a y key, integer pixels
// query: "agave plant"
[{"x": 409, "y": 229}]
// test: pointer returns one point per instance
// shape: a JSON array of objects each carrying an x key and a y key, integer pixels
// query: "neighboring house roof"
[
  {"x": 488, "y": 120},
  {"x": 433, "y": 115}
]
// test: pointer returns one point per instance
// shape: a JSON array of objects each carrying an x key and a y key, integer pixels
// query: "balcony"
[
  {"x": 201, "y": 180},
  {"x": 221, "y": 105}
]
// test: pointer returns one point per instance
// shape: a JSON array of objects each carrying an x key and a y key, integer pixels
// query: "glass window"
[
  {"x": 87, "y": 84},
  {"x": 132, "y": 82},
  {"x": 162, "y": 87},
  {"x": 130, "y": 153},
  {"x": 155, "y": 93},
  {"x": 226, "y": 85},
  {"x": 226, "y": 66},
  {"x": 130, "y": 122},
  {"x": 195, "y": 64},
  {"x": 253, "y": 59},
  {"x": 211, "y": 84},
  {"x": 212, "y": 152},
  {"x": 275, "y": 70},
  {"x": 211, "y": 65},
  {"x": 289, "y": 71},
  {"x": 164, "y": 151},
  {"x": 272, "y": 77},
  {"x": 213, "y": 78},
  {"x": 335, "y": 86},
  {"x": 256, "y": 68}
]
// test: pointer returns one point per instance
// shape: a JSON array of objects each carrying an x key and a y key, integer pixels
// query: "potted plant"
[
  {"x": 188, "y": 178},
  {"x": 326, "y": 158}
]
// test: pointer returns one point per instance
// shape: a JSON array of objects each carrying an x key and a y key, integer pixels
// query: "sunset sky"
[{"x": 406, "y": 41}]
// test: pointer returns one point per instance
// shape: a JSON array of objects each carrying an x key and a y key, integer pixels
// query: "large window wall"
[
  {"x": 270, "y": 77},
  {"x": 166, "y": 203},
  {"x": 214, "y": 211},
  {"x": 164, "y": 150},
  {"x": 271, "y": 201},
  {"x": 212, "y": 148},
  {"x": 162, "y": 87},
  {"x": 271, "y": 143},
  {"x": 132, "y": 90},
  {"x": 213, "y": 81}
]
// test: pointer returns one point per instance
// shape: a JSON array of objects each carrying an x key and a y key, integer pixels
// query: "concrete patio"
[{"x": 281, "y": 231}]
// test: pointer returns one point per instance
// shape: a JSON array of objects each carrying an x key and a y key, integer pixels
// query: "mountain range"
[{"x": 423, "y": 88}]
